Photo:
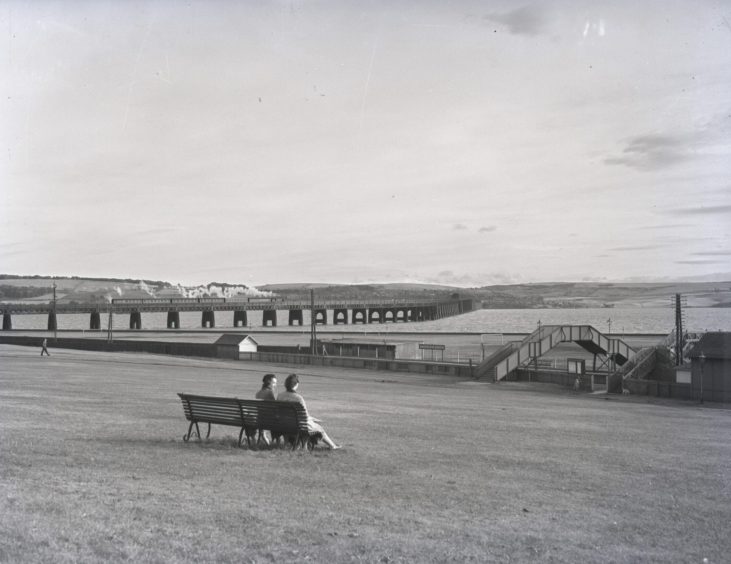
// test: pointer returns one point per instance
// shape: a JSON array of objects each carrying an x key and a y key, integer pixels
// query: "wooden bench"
[{"x": 280, "y": 418}]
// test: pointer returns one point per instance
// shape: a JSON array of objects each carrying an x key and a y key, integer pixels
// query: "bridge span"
[{"x": 356, "y": 311}]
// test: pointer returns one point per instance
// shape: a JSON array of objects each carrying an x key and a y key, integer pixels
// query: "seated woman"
[
  {"x": 269, "y": 384},
  {"x": 292, "y": 383}
]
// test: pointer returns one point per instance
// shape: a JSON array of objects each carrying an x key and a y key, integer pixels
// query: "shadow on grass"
[{"x": 223, "y": 444}]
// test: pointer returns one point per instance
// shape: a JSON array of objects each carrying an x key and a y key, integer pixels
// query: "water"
[{"x": 623, "y": 320}]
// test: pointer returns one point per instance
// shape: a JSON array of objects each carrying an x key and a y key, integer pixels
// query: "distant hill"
[
  {"x": 514, "y": 296},
  {"x": 518, "y": 296}
]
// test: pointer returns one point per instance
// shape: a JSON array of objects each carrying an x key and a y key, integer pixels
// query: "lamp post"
[{"x": 703, "y": 362}]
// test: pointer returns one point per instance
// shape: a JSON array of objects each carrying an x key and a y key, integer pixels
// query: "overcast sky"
[{"x": 456, "y": 142}]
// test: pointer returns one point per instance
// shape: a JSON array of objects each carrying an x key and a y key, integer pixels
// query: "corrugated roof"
[
  {"x": 713, "y": 345},
  {"x": 233, "y": 339}
]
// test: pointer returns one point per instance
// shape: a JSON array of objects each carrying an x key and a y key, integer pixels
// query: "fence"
[
  {"x": 102, "y": 345},
  {"x": 443, "y": 368}
]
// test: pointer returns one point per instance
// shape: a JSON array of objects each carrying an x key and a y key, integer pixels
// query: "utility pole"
[
  {"x": 678, "y": 331},
  {"x": 55, "y": 318},
  {"x": 110, "y": 324},
  {"x": 313, "y": 329}
]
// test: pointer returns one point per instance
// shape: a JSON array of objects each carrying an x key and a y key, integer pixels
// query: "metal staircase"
[
  {"x": 486, "y": 369},
  {"x": 546, "y": 337}
]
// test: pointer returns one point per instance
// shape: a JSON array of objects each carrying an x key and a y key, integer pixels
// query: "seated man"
[{"x": 292, "y": 383}]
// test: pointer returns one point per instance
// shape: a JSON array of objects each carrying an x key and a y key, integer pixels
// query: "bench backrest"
[
  {"x": 280, "y": 416},
  {"x": 224, "y": 411}
]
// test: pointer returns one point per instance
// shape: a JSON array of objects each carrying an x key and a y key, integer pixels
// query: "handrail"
[{"x": 646, "y": 357}]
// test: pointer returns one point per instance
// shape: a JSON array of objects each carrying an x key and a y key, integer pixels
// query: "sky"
[{"x": 464, "y": 143}]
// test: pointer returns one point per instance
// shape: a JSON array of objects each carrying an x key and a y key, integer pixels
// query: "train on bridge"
[{"x": 188, "y": 301}]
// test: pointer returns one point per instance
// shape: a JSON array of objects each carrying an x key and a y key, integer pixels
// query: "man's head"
[
  {"x": 269, "y": 380},
  {"x": 291, "y": 382}
]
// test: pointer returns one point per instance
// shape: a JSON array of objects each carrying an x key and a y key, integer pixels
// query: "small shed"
[
  {"x": 366, "y": 349},
  {"x": 710, "y": 370},
  {"x": 230, "y": 345}
]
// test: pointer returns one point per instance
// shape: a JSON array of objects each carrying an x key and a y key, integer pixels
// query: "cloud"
[
  {"x": 459, "y": 227},
  {"x": 712, "y": 254},
  {"x": 637, "y": 248},
  {"x": 487, "y": 229},
  {"x": 699, "y": 261},
  {"x": 652, "y": 152},
  {"x": 666, "y": 226},
  {"x": 449, "y": 277},
  {"x": 702, "y": 210},
  {"x": 528, "y": 20}
]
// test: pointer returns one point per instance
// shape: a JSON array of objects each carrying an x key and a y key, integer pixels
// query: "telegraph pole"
[
  {"x": 678, "y": 330},
  {"x": 110, "y": 323},
  {"x": 55, "y": 318},
  {"x": 313, "y": 327}
]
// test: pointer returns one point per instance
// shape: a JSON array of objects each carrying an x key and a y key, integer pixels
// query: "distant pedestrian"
[{"x": 44, "y": 347}]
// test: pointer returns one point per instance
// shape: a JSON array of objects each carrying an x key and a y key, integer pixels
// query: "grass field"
[{"x": 93, "y": 468}]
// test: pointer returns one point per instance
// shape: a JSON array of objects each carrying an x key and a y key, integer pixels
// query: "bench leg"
[
  {"x": 241, "y": 434},
  {"x": 208, "y": 434},
  {"x": 186, "y": 437}
]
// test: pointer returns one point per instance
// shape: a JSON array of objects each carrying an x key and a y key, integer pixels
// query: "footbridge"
[{"x": 547, "y": 337}]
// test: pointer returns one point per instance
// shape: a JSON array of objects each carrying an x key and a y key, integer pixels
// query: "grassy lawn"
[{"x": 93, "y": 468}]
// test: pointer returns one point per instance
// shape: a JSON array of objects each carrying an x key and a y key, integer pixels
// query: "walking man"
[{"x": 44, "y": 348}]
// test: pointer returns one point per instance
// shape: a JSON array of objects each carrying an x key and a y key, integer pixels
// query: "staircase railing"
[
  {"x": 487, "y": 367},
  {"x": 641, "y": 365}
]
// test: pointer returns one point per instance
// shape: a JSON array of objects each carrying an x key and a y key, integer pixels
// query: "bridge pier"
[
  {"x": 95, "y": 322},
  {"x": 320, "y": 317},
  {"x": 269, "y": 316},
  {"x": 173, "y": 319},
  {"x": 295, "y": 316},
  {"x": 240, "y": 319},
  {"x": 359, "y": 315},
  {"x": 52, "y": 325},
  {"x": 135, "y": 320},
  {"x": 340, "y": 316},
  {"x": 208, "y": 319},
  {"x": 7, "y": 322}
]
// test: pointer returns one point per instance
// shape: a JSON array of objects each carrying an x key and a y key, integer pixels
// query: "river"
[{"x": 500, "y": 321}]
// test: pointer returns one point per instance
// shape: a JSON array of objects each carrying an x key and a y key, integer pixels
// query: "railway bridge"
[{"x": 338, "y": 311}]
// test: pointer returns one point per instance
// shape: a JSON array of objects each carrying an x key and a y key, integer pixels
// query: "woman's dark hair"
[
  {"x": 267, "y": 380},
  {"x": 291, "y": 381}
]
